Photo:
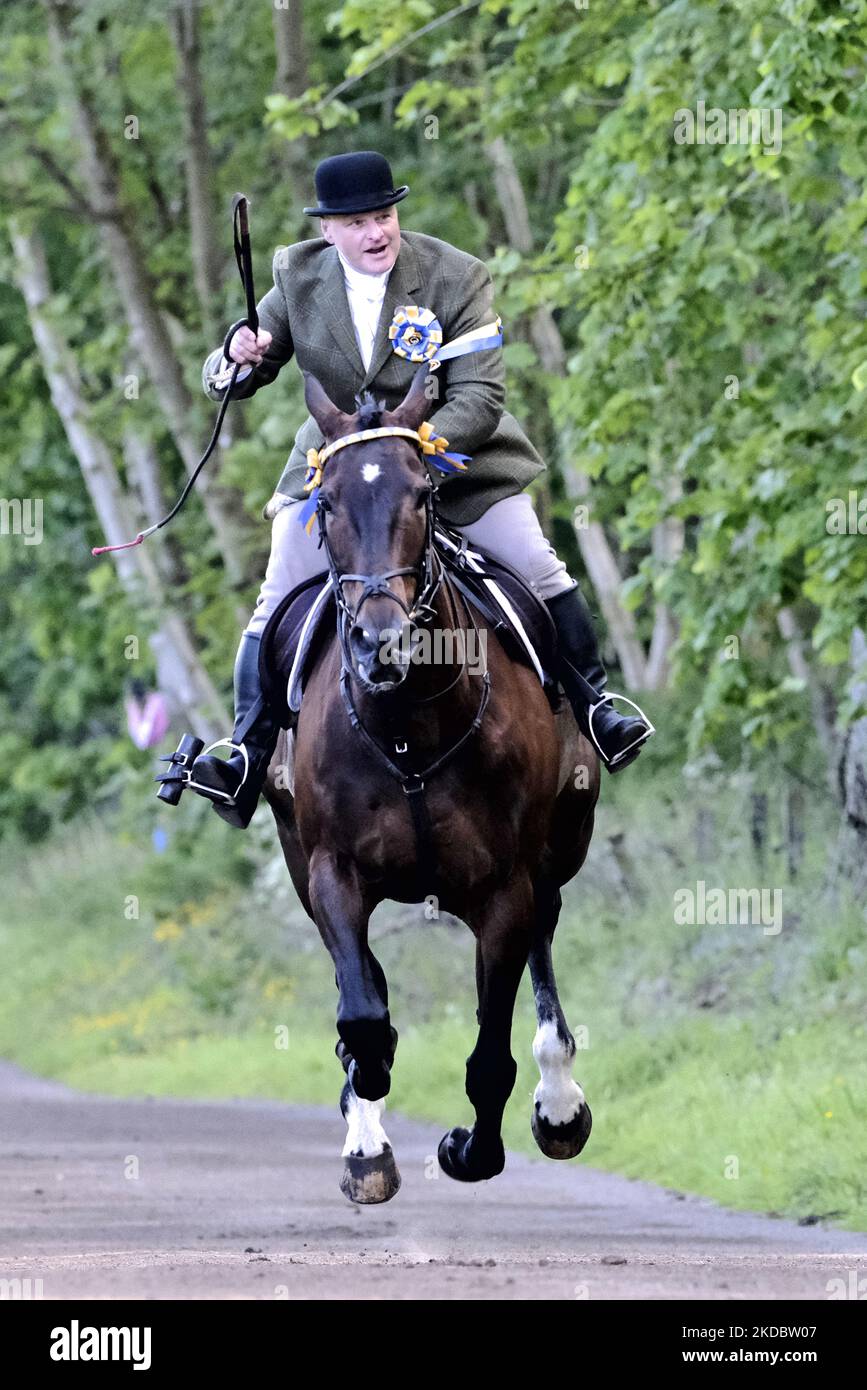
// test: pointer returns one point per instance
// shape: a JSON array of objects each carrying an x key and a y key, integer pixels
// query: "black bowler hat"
[{"x": 357, "y": 182}]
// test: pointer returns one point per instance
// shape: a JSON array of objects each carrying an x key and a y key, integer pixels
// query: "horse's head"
[{"x": 375, "y": 510}]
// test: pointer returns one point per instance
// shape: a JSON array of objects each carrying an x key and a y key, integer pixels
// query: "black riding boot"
[
  {"x": 617, "y": 737},
  {"x": 236, "y": 794}
]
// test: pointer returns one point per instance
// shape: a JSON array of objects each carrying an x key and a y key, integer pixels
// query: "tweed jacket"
[{"x": 308, "y": 313}]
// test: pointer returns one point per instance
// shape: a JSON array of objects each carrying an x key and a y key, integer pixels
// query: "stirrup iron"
[
  {"x": 188, "y": 750},
  {"x": 636, "y": 742}
]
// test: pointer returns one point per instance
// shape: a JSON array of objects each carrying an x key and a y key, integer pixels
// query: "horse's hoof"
[
  {"x": 461, "y": 1161},
  {"x": 370, "y": 1180},
  {"x": 562, "y": 1141}
]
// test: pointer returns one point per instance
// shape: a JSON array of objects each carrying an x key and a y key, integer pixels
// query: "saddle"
[
  {"x": 295, "y": 632},
  {"x": 515, "y": 612}
]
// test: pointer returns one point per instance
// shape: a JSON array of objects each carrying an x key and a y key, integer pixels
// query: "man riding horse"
[{"x": 337, "y": 305}]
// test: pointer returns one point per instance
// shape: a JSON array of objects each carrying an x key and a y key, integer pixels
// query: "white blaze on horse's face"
[{"x": 370, "y": 472}]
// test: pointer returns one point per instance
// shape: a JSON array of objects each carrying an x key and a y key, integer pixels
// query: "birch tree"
[{"x": 181, "y": 674}]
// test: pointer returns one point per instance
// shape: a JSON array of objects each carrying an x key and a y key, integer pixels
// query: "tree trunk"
[
  {"x": 820, "y": 706},
  {"x": 181, "y": 675},
  {"x": 795, "y": 833},
  {"x": 292, "y": 80},
  {"x": 184, "y": 28},
  {"x": 135, "y": 290},
  {"x": 759, "y": 826},
  {"x": 606, "y": 579},
  {"x": 598, "y": 557},
  {"x": 852, "y": 848},
  {"x": 205, "y": 251},
  {"x": 667, "y": 541}
]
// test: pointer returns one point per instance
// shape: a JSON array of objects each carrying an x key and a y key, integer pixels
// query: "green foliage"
[{"x": 710, "y": 300}]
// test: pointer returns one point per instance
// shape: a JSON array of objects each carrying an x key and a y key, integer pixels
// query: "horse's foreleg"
[
  {"x": 367, "y": 1039},
  {"x": 283, "y": 809},
  {"x": 503, "y": 934},
  {"x": 561, "y": 1116}
]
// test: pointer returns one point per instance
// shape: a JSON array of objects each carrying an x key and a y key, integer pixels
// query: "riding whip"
[{"x": 241, "y": 238}]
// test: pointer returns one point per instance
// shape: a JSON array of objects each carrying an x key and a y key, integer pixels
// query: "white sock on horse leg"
[
  {"x": 558, "y": 1095},
  {"x": 365, "y": 1136}
]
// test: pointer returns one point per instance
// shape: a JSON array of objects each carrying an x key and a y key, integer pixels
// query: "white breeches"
[{"x": 509, "y": 531}]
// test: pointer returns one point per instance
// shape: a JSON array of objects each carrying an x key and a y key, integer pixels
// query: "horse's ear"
[
  {"x": 332, "y": 421},
  {"x": 416, "y": 403}
]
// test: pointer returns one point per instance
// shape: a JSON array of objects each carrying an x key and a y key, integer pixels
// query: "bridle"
[
  {"x": 430, "y": 575},
  {"x": 428, "y": 572}
]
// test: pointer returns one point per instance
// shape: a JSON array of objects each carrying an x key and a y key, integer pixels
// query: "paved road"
[{"x": 240, "y": 1199}]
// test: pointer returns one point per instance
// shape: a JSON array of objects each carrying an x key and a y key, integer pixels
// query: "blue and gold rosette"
[{"x": 417, "y": 334}]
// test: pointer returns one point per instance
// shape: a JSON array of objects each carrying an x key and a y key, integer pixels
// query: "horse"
[{"x": 505, "y": 829}]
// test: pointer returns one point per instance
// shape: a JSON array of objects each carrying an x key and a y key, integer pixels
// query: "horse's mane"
[{"x": 369, "y": 411}]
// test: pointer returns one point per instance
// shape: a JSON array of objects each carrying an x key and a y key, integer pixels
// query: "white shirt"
[{"x": 365, "y": 294}]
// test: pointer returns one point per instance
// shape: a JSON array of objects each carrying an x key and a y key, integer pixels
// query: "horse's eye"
[{"x": 325, "y": 504}]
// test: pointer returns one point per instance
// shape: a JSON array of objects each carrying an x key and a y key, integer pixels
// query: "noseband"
[{"x": 428, "y": 571}]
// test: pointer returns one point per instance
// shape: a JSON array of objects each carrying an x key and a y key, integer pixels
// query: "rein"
[{"x": 430, "y": 574}]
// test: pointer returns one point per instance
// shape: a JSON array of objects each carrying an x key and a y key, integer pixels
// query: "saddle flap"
[
  {"x": 520, "y": 618},
  {"x": 291, "y": 641}
]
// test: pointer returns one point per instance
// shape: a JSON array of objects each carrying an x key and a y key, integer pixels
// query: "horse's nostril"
[
  {"x": 378, "y": 655},
  {"x": 361, "y": 640}
]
